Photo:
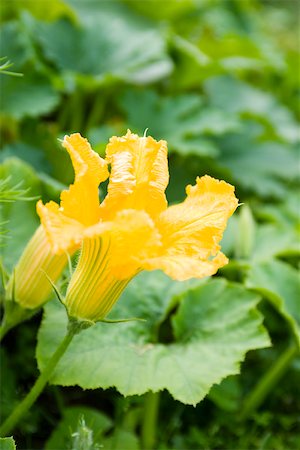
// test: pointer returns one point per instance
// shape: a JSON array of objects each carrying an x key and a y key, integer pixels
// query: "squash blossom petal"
[
  {"x": 44, "y": 258},
  {"x": 66, "y": 224},
  {"x": 133, "y": 229},
  {"x": 29, "y": 281}
]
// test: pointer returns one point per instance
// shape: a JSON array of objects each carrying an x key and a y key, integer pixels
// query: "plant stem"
[
  {"x": 149, "y": 425},
  {"x": 76, "y": 110},
  {"x": 268, "y": 381},
  {"x": 4, "y": 328},
  {"x": 40, "y": 383},
  {"x": 96, "y": 112},
  {"x": 13, "y": 315}
]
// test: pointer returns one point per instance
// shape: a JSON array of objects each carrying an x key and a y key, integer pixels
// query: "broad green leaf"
[
  {"x": 32, "y": 155},
  {"x": 236, "y": 52},
  {"x": 223, "y": 36},
  {"x": 121, "y": 439},
  {"x": 273, "y": 240},
  {"x": 285, "y": 213},
  {"x": 234, "y": 96},
  {"x": 155, "y": 306},
  {"x": 182, "y": 120},
  {"x": 7, "y": 444},
  {"x": 20, "y": 216},
  {"x": 280, "y": 284},
  {"x": 13, "y": 43},
  {"x": 109, "y": 41},
  {"x": 31, "y": 95},
  {"x": 61, "y": 437},
  {"x": 215, "y": 324},
  {"x": 261, "y": 167}
]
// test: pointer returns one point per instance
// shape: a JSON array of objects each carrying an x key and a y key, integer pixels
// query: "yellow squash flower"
[
  {"x": 133, "y": 229},
  {"x": 40, "y": 260},
  {"x": 29, "y": 280}
]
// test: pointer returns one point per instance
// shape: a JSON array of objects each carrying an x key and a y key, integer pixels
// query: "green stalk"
[
  {"x": 76, "y": 103},
  {"x": 268, "y": 381},
  {"x": 149, "y": 425},
  {"x": 73, "y": 328},
  {"x": 4, "y": 328},
  {"x": 13, "y": 315},
  {"x": 188, "y": 48},
  {"x": 63, "y": 115},
  {"x": 96, "y": 113}
]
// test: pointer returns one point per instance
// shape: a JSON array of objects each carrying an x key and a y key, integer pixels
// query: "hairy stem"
[{"x": 40, "y": 383}]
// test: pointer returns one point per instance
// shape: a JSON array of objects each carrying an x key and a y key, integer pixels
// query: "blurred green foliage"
[{"x": 220, "y": 82}]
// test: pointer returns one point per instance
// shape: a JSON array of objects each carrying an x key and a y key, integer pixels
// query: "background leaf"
[
  {"x": 252, "y": 102},
  {"x": 261, "y": 167},
  {"x": 122, "y": 439},
  {"x": 280, "y": 284},
  {"x": 182, "y": 120},
  {"x": 7, "y": 444},
  {"x": 118, "y": 46},
  {"x": 27, "y": 96},
  {"x": 62, "y": 435},
  {"x": 20, "y": 216}
]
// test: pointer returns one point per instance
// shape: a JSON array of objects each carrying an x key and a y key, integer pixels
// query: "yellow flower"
[
  {"x": 133, "y": 229},
  {"x": 40, "y": 261},
  {"x": 29, "y": 281}
]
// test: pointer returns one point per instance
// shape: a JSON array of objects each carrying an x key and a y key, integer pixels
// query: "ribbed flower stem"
[{"x": 40, "y": 383}]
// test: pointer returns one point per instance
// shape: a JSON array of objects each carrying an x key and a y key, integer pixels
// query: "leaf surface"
[
  {"x": 235, "y": 96},
  {"x": 280, "y": 284},
  {"x": 7, "y": 443},
  {"x": 31, "y": 95},
  {"x": 262, "y": 167},
  {"x": 215, "y": 324},
  {"x": 182, "y": 120},
  {"x": 19, "y": 216},
  {"x": 108, "y": 41}
]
